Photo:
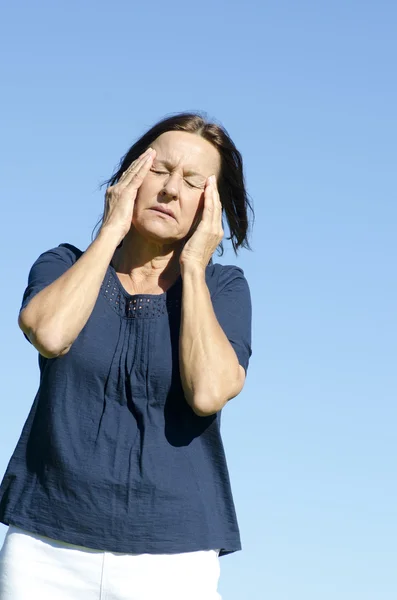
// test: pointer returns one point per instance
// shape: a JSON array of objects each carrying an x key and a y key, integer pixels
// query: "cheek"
[
  {"x": 194, "y": 208},
  {"x": 146, "y": 193}
]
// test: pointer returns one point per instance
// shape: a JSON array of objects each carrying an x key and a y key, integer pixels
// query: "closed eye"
[
  {"x": 190, "y": 184},
  {"x": 159, "y": 172},
  {"x": 197, "y": 186}
]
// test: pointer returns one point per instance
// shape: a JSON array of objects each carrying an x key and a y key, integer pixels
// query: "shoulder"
[
  {"x": 71, "y": 250},
  {"x": 66, "y": 251},
  {"x": 54, "y": 262},
  {"x": 63, "y": 253},
  {"x": 225, "y": 277},
  {"x": 50, "y": 265},
  {"x": 231, "y": 300}
]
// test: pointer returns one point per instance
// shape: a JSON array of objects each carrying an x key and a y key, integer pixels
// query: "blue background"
[{"x": 308, "y": 92}]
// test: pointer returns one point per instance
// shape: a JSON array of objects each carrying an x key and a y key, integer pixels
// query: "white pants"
[{"x": 35, "y": 567}]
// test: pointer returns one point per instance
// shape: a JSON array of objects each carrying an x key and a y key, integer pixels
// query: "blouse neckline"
[
  {"x": 128, "y": 295},
  {"x": 138, "y": 306}
]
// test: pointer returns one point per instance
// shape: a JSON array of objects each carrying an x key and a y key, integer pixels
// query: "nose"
[{"x": 171, "y": 188}]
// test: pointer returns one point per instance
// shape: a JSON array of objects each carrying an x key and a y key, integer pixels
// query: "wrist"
[
  {"x": 192, "y": 269},
  {"x": 112, "y": 235}
]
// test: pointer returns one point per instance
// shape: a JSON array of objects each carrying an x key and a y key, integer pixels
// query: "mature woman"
[{"x": 118, "y": 487}]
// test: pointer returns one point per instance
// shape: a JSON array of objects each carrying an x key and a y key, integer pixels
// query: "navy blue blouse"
[{"x": 111, "y": 456}]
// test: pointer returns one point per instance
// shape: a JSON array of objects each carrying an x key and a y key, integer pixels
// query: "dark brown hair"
[{"x": 234, "y": 198}]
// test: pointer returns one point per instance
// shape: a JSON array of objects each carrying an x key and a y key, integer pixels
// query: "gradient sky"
[{"x": 308, "y": 92}]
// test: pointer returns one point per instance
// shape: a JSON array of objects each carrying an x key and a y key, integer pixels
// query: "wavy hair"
[{"x": 236, "y": 204}]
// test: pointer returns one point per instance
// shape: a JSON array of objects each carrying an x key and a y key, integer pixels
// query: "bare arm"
[
  {"x": 210, "y": 371},
  {"x": 56, "y": 315}
]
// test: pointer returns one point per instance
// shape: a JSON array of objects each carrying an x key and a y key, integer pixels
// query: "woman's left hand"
[{"x": 209, "y": 232}]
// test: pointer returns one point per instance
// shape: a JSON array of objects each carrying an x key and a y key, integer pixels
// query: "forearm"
[
  {"x": 210, "y": 371},
  {"x": 56, "y": 315}
]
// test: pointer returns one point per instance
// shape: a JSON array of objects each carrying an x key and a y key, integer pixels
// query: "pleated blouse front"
[{"x": 111, "y": 456}]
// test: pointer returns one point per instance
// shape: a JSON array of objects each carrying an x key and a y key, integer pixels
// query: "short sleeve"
[
  {"x": 233, "y": 310},
  {"x": 47, "y": 268}
]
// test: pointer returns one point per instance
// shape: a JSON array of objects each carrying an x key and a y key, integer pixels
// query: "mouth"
[{"x": 164, "y": 211}]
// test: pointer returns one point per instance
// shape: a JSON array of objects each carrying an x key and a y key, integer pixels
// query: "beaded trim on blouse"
[{"x": 138, "y": 306}]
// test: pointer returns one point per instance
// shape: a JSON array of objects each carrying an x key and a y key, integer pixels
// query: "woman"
[{"x": 118, "y": 487}]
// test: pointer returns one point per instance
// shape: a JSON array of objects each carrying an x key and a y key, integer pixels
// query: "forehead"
[{"x": 189, "y": 151}]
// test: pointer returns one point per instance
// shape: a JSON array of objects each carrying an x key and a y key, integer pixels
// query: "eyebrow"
[{"x": 188, "y": 173}]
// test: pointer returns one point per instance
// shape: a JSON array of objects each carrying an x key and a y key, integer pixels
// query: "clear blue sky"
[{"x": 308, "y": 91}]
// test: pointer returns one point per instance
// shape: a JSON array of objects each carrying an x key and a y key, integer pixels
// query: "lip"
[{"x": 163, "y": 210}]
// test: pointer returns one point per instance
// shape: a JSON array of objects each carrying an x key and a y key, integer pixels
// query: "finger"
[
  {"x": 217, "y": 198},
  {"x": 212, "y": 201},
  {"x": 134, "y": 167},
  {"x": 216, "y": 209},
  {"x": 208, "y": 207},
  {"x": 143, "y": 169}
]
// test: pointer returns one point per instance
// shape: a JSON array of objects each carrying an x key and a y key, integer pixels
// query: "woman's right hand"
[{"x": 120, "y": 198}]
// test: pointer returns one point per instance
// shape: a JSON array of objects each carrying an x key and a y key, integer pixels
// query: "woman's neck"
[{"x": 146, "y": 267}]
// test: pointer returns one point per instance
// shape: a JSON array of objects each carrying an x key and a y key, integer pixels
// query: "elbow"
[
  {"x": 44, "y": 341},
  {"x": 206, "y": 402},
  {"x": 47, "y": 345},
  {"x": 206, "y": 405}
]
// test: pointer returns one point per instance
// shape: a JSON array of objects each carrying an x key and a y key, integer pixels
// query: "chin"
[{"x": 159, "y": 232}]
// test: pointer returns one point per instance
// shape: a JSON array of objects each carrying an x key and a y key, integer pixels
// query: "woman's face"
[{"x": 176, "y": 182}]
